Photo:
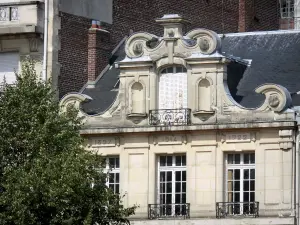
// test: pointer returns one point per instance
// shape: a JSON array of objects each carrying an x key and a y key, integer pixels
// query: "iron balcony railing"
[
  {"x": 170, "y": 117},
  {"x": 165, "y": 211},
  {"x": 227, "y": 209}
]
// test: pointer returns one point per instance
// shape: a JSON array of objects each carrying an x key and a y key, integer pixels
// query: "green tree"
[{"x": 46, "y": 176}]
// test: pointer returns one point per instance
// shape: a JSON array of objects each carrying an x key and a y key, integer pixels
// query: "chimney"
[
  {"x": 242, "y": 16},
  {"x": 98, "y": 50}
]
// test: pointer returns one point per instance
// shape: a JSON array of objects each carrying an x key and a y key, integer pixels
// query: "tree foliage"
[{"x": 46, "y": 175}]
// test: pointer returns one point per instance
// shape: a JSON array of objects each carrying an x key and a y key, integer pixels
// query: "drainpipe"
[{"x": 45, "y": 58}]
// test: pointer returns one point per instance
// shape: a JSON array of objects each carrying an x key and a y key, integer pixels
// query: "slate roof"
[{"x": 274, "y": 57}]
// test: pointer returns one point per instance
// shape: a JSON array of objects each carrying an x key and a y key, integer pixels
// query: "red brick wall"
[{"x": 139, "y": 15}]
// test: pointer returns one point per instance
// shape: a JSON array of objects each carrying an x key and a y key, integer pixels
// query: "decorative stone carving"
[
  {"x": 74, "y": 99},
  {"x": 286, "y": 139},
  {"x": 278, "y": 98}
]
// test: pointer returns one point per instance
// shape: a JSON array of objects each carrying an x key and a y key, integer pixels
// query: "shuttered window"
[{"x": 9, "y": 63}]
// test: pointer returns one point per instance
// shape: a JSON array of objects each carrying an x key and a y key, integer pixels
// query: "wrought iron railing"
[
  {"x": 227, "y": 209},
  {"x": 161, "y": 211},
  {"x": 170, "y": 117}
]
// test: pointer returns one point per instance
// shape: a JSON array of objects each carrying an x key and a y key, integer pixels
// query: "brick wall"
[
  {"x": 139, "y": 15},
  {"x": 73, "y": 54}
]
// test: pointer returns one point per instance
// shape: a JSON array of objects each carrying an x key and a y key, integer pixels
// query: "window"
[
  {"x": 173, "y": 88},
  {"x": 172, "y": 185},
  {"x": 241, "y": 183},
  {"x": 113, "y": 168}
]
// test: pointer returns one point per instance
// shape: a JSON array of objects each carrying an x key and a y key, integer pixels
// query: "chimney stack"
[
  {"x": 98, "y": 50},
  {"x": 242, "y": 16}
]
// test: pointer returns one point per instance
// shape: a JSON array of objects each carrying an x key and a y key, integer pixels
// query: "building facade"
[{"x": 179, "y": 144}]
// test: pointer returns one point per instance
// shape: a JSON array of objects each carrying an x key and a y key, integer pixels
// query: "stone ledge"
[
  {"x": 107, "y": 130},
  {"x": 205, "y": 221}
]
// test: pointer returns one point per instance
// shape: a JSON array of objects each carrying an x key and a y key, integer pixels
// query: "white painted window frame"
[{"x": 115, "y": 170}]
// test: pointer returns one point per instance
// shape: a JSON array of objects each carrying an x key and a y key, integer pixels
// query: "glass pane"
[
  {"x": 183, "y": 160},
  {"x": 111, "y": 162},
  {"x": 237, "y": 174},
  {"x": 237, "y": 159},
  {"x": 252, "y": 185},
  {"x": 252, "y": 173},
  {"x": 111, "y": 178},
  {"x": 178, "y": 69},
  {"x": 162, "y": 199},
  {"x": 246, "y": 174},
  {"x": 169, "y": 176},
  {"x": 252, "y": 158},
  {"x": 183, "y": 69},
  {"x": 170, "y": 70},
  {"x": 246, "y": 196},
  {"x": 111, "y": 186},
  {"x": 183, "y": 187},
  {"x": 236, "y": 196},
  {"x": 178, "y": 160},
  {"x": 169, "y": 187},
  {"x": 237, "y": 185},
  {"x": 230, "y": 199},
  {"x": 252, "y": 196},
  {"x": 169, "y": 199},
  {"x": 164, "y": 71},
  {"x": 177, "y": 198},
  {"x": 178, "y": 176},
  {"x": 230, "y": 159},
  {"x": 229, "y": 186},
  {"x": 169, "y": 160},
  {"x": 183, "y": 175},
  {"x": 162, "y": 160},
  {"x": 117, "y": 162},
  {"x": 177, "y": 187},
  {"x": 117, "y": 188},
  {"x": 162, "y": 176},
  {"x": 246, "y": 158},
  {"x": 246, "y": 185},
  {"x": 117, "y": 177},
  {"x": 162, "y": 187},
  {"x": 230, "y": 172},
  {"x": 183, "y": 198}
]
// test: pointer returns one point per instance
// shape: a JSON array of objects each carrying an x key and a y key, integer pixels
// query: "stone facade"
[{"x": 182, "y": 148}]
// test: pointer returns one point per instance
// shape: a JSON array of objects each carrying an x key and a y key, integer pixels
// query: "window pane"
[
  {"x": 246, "y": 196},
  {"x": 178, "y": 175},
  {"x": 162, "y": 176},
  {"x": 117, "y": 162},
  {"x": 252, "y": 158},
  {"x": 111, "y": 178},
  {"x": 236, "y": 196},
  {"x": 229, "y": 186},
  {"x": 162, "y": 187},
  {"x": 177, "y": 187},
  {"x": 183, "y": 69},
  {"x": 183, "y": 160},
  {"x": 230, "y": 159},
  {"x": 178, "y": 160},
  {"x": 162, "y": 199},
  {"x": 252, "y": 185},
  {"x": 169, "y": 160},
  {"x": 170, "y": 70},
  {"x": 246, "y": 174},
  {"x": 117, "y": 188},
  {"x": 177, "y": 198},
  {"x": 246, "y": 185},
  {"x": 169, "y": 187},
  {"x": 237, "y": 186},
  {"x": 237, "y": 174},
  {"x": 252, "y": 196},
  {"x": 183, "y": 187},
  {"x": 183, "y": 175},
  {"x": 169, "y": 199},
  {"x": 117, "y": 177},
  {"x": 178, "y": 69},
  {"x": 230, "y": 176},
  {"x": 111, "y": 186},
  {"x": 237, "y": 159},
  {"x": 169, "y": 176},
  {"x": 111, "y": 162},
  {"x": 183, "y": 198},
  {"x": 164, "y": 71},
  {"x": 162, "y": 160},
  {"x": 230, "y": 196},
  {"x": 246, "y": 158},
  {"x": 252, "y": 173}
]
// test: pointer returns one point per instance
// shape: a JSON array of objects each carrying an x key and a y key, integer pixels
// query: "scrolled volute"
[
  {"x": 137, "y": 43},
  {"x": 278, "y": 98},
  {"x": 208, "y": 41}
]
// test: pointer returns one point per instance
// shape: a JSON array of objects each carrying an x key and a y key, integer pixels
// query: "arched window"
[
  {"x": 173, "y": 88},
  {"x": 204, "y": 95},
  {"x": 137, "y": 98}
]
